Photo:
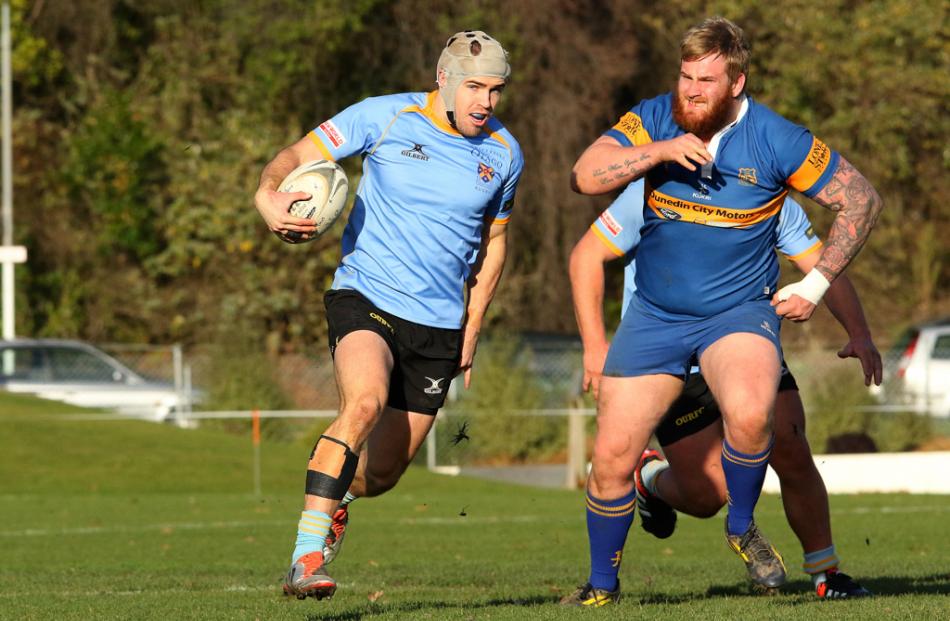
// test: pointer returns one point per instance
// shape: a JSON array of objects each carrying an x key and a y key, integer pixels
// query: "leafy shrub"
[
  {"x": 502, "y": 384},
  {"x": 834, "y": 403},
  {"x": 241, "y": 377}
]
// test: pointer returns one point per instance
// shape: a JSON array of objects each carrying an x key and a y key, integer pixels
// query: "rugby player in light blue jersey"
[
  {"x": 428, "y": 227},
  {"x": 717, "y": 167},
  {"x": 690, "y": 478}
]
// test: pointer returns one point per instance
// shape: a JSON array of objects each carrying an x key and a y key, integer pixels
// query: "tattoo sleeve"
[{"x": 858, "y": 206}]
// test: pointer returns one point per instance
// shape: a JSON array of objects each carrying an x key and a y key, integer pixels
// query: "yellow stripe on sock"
[
  {"x": 319, "y": 533},
  {"x": 819, "y": 566},
  {"x": 595, "y": 505},
  {"x": 742, "y": 461},
  {"x": 622, "y": 513}
]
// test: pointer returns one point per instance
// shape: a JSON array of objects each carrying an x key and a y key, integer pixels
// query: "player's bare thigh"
[
  {"x": 742, "y": 371},
  {"x": 628, "y": 410},
  {"x": 363, "y": 363}
]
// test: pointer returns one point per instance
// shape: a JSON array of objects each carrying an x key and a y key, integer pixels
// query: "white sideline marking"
[
  {"x": 412, "y": 521},
  {"x": 104, "y": 530},
  {"x": 468, "y": 519},
  {"x": 99, "y": 530},
  {"x": 234, "y": 588}
]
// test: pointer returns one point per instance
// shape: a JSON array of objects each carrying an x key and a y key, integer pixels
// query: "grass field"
[{"x": 131, "y": 520}]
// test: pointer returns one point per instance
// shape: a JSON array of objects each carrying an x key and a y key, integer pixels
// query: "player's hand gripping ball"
[{"x": 327, "y": 185}]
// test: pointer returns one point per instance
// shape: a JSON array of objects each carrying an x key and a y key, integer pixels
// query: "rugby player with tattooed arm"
[{"x": 717, "y": 168}]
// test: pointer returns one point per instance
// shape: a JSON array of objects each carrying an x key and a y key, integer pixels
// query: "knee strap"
[{"x": 331, "y": 468}]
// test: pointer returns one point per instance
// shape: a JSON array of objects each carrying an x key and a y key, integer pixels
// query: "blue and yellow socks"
[
  {"x": 311, "y": 533},
  {"x": 608, "y": 522},
  {"x": 744, "y": 477}
]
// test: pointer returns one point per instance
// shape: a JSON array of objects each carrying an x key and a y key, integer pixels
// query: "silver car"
[
  {"x": 80, "y": 374},
  {"x": 917, "y": 370}
]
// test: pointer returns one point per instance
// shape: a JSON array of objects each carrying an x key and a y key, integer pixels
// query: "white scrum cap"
[{"x": 468, "y": 54}]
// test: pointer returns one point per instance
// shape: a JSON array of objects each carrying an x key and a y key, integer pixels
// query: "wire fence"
[
  {"x": 525, "y": 412},
  {"x": 526, "y": 406}
]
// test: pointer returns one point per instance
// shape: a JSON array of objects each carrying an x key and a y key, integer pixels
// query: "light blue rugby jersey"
[
  {"x": 620, "y": 224},
  {"x": 707, "y": 241},
  {"x": 425, "y": 196}
]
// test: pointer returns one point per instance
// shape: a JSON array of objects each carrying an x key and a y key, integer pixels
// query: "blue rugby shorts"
[{"x": 646, "y": 344}]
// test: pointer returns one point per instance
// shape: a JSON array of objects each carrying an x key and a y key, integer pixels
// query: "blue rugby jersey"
[
  {"x": 425, "y": 196},
  {"x": 619, "y": 228},
  {"x": 707, "y": 243}
]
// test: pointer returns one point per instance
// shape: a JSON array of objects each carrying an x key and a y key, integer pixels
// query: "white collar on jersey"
[
  {"x": 713, "y": 146},
  {"x": 714, "y": 142}
]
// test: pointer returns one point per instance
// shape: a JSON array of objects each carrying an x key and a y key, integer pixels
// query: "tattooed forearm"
[
  {"x": 637, "y": 166},
  {"x": 629, "y": 169},
  {"x": 858, "y": 206},
  {"x": 613, "y": 179},
  {"x": 606, "y": 165}
]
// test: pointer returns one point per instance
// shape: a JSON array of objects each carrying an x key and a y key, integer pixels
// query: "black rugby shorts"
[
  {"x": 696, "y": 408},
  {"x": 425, "y": 359}
]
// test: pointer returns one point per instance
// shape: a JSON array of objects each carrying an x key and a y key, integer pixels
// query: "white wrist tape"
[{"x": 810, "y": 288}]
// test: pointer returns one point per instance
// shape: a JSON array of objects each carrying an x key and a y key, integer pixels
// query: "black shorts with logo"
[
  {"x": 696, "y": 408},
  {"x": 425, "y": 359}
]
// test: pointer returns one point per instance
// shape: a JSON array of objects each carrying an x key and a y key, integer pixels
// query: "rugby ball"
[{"x": 327, "y": 186}]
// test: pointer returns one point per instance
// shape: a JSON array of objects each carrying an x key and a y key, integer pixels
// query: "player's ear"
[
  {"x": 738, "y": 85},
  {"x": 440, "y": 78}
]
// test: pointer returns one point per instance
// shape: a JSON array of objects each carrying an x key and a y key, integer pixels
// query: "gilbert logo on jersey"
[{"x": 416, "y": 152}]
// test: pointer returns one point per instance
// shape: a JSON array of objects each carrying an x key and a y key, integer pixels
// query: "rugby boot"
[
  {"x": 586, "y": 595},
  {"x": 838, "y": 585},
  {"x": 656, "y": 517},
  {"x": 763, "y": 562},
  {"x": 308, "y": 578},
  {"x": 334, "y": 540}
]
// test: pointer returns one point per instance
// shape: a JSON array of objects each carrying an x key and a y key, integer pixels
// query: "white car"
[
  {"x": 917, "y": 370},
  {"x": 80, "y": 374}
]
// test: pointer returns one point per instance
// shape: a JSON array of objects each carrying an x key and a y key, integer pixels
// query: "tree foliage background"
[{"x": 140, "y": 130}]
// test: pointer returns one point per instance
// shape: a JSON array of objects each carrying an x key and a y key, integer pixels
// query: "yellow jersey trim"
[
  {"x": 428, "y": 111},
  {"x": 802, "y": 255},
  {"x": 610, "y": 245},
  {"x": 322, "y": 147},
  {"x": 819, "y": 156},
  {"x": 631, "y": 126},
  {"x": 670, "y": 208}
]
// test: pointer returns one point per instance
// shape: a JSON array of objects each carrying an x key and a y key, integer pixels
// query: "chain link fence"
[{"x": 525, "y": 406}]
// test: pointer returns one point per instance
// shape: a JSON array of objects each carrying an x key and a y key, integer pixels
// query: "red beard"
[{"x": 703, "y": 124}]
